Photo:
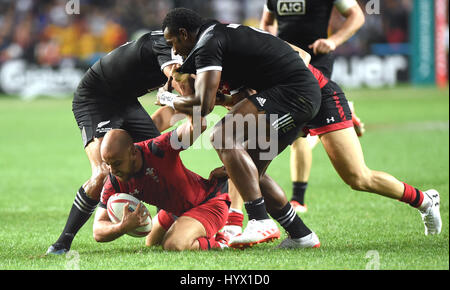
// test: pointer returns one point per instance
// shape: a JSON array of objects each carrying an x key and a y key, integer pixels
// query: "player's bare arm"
[
  {"x": 354, "y": 19},
  {"x": 106, "y": 231},
  {"x": 267, "y": 22},
  {"x": 206, "y": 86}
]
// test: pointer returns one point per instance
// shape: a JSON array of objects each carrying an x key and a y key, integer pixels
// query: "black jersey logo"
[{"x": 291, "y": 7}]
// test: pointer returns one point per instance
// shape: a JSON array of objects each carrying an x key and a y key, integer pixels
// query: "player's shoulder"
[
  {"x": 209, "y": 31},
  {"x": 158, "y": 146},
  {"x": 157, "y": 39}
]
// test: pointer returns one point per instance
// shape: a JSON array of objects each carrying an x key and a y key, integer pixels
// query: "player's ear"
[
  {"x": 133, "y": 150},
  {"x": 183, "y": 33}
]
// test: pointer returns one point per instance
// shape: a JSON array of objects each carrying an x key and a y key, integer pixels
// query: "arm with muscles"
[
  {"x": 106, "y": 231},
  {"x": 267, "y": 22},
  {"x": 206, "y": 85},
  {"x": 353, "y": 22}
]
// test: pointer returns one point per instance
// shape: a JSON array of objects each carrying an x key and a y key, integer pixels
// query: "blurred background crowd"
[{"x": 43, "y": 32}]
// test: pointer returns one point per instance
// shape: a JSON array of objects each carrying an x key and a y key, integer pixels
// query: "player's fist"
[
  {"x": 323, "y": 46},
  {"x": 185, "y": 82}
]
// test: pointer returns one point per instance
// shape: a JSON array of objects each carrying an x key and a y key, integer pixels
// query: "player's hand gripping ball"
[{"x": 115, "y": 208}]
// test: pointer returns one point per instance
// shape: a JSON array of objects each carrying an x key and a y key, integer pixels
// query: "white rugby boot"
[
  {"x": 429, "y": 210},
  {"x": 309, "y": 241},
  {"x": 230, "y": 231},
  {"x": 257, "y": 231}
]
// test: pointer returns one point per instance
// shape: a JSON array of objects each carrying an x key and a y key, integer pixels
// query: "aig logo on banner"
[{"x": 291, "y": 7}]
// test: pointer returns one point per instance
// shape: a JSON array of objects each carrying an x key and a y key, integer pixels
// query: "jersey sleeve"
[
  {"x": 208, "y": 52},
  {"x": 343, "y": 5},
  {"x": 165, "y": 144},
  {"x": 164, "y": 53},
  {"x": 107, "y": 192},
  {"x": 268, "y": 6}
]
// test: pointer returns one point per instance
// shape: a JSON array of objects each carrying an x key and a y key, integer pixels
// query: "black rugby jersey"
[
  {"x": 247, "y": 57},
  {"x": 130, "y": 70},
  {"x": 301, "y": 22}
]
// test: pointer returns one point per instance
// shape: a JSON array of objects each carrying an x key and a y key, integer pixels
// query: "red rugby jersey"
[{"x": 163, "y": 180}]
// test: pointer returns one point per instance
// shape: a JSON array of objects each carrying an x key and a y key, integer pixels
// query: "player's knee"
[
  {"x": 94, "y": 185},
  {"x": 100, "y": 174},
  {"x": 175, "y": 245},
  {"x": 358, "y": 181}
]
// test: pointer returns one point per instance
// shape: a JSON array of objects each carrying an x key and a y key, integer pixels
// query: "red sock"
[
  {"x": 235, "y": 219},
  {"x": 412, "y": 195}
]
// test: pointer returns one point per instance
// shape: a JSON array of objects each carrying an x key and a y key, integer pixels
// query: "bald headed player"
[
  {"x": 107, "y": 98},
  {"x": 193, "y": 209}
]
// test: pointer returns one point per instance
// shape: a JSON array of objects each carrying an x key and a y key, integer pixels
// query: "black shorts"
[
  {"x": 324, "y": 63},
  {"x": 286, "y": 110},
  {"x": 334, "y": 113},
  {"x": 97, "y": 116}
]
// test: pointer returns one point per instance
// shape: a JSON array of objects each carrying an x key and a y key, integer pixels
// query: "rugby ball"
[{"x": 115, "y": 212}]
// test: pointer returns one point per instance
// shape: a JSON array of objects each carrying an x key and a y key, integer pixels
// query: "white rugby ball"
[{"x": 115, "y": 212}]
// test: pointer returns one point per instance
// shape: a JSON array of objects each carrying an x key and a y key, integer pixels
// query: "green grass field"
[{"x": 42, "y": 165}]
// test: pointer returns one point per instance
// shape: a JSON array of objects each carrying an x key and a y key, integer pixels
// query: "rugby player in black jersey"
[
  {"x": 304, "y": 23},
  {"x": 107, "y": 98},
  {"x": 344, "y": 150},
  {"x": 288, "y": 97},
  {"x": 340, "y": 143}
]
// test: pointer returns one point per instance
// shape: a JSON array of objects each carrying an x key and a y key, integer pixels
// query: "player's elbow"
[
  {"x": 358, "y": 17},
  {"x": 98, "y": 238}
]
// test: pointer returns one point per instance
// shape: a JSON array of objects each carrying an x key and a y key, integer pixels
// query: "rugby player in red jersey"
[
  {"x": 193, "y": 209},
  {"x": 344, "y": 150}
]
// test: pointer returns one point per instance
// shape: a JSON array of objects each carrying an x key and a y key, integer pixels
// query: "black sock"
[
  {"x": 291, "y": 222},
  {"x": 256, "y": 209},
  {"x": 82, "y": 209},
  {"x": 298, "y": 191}
]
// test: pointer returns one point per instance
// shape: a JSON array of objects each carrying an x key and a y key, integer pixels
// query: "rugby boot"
[
  {"x": 309, "y": 241},
  {"x": 430, "y": 213},
  {"x": 257, "y": 231}
]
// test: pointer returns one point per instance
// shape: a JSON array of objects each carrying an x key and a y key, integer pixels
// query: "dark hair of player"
[{"x": 182, "y": 18}]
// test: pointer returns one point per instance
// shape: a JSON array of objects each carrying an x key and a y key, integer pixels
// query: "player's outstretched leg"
[
  {"x": 85, "y": 202},
  {"x": 344, "y": 151}
]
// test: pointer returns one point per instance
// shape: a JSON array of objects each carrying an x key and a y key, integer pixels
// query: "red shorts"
[
  {"x": 212, "y": 214},
  {"x": 334, "y": 113}
]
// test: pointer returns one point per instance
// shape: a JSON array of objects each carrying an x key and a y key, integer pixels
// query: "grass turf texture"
[{"x": 42, "y": 164}]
